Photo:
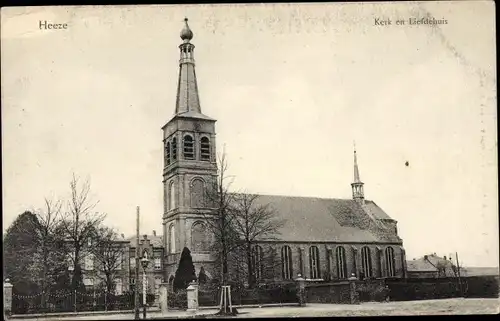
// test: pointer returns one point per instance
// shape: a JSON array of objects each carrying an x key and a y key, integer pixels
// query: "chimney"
[
  {"x": 123, "y": 236},
  {"x": 444, "y": 257},
  {"x": 154, "y": 233}
]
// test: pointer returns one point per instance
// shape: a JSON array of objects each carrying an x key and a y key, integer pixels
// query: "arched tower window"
[
  {"x": 188, "y": 147},
  {"x": 171, "y": 234},
  {"x": 174, "y": 149},
  {"x": 171, "y": 196},
  {"x": 200, "y": 241},
  {"x": 341, "y": 262},
  {"x": 314, "y": 266},
  {"x": 366, "y": 258},
  {"x": 197, "y": 193},
  {"x": 167, "y": 154},
  {"x": 390, "y": 261},
  {"x": 205, "y": 149},
  {"x": 257, "y": 262},
  {"x": 286, "y": 262}
]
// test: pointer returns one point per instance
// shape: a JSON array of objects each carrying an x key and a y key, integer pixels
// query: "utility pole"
[
  {"x": 458, "y": 271},
  {"x": 136, "y": 290}
]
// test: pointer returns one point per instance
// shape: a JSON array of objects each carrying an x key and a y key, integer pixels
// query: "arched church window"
[
  {"x": 188, "y": 147},
  {"x": 171, "y": 234},
  {"x": 366, "y": 261},
  {"x": 390, "y": 261},
  {"x": 197, "y": 193},
  {"x": 171, "y": 197},
  {"x": 205, "y": 149},
  {"x": 174, "y": 149},
  {"x": 341, "y": 262},
  {"x": 286, "y": 262},
  {"x": 167, "y": 154},
  {"x": 257, "y": 262},
  {"x": 314, "y": 266},
  {"x": 200, "y": 241}
]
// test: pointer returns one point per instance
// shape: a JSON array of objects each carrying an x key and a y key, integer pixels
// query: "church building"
[{"x": 322, "y": 239}]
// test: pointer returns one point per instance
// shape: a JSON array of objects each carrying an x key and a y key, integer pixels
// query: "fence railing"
[
  {"x": 209, "y": 295},
  {"x": 75, "y": 301}
]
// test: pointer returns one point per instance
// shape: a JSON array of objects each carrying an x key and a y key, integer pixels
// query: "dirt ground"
[{"x": 427, "y": 307}]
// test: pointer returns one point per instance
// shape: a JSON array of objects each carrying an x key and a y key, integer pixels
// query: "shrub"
[
  {"x": 185, "y": 273},
  {"x": 177, "y": 299}
]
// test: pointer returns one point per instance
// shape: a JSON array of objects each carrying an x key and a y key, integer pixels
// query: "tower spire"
[
  {"x": 357, "y": 185},
  {"x": 188, "y": 101},
  {"x": 356, "y": 169}
]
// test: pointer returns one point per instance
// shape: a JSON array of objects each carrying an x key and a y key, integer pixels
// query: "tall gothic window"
[
  {"x": 257, "y": 262},
  {"x": 174, "y": 149},
  {"x": 167, "y": 154},
  {"x": 341, "y": 262},
  {"x": 171, "y": 198},
  {"x": 197, "y": 193},
  {"x": 286, "y": 262},
  {"x": 314, "y": 266},
  {"x": 205, "y": 149},
  {"x": 199, "y": 237},
  {"x": 188, "y": 147},
  {"x": 379, "y": 262},
  {"x": 366, "y": 258},
  {"x": 390, "y": 261},
  {"x": 171, "y": 233}
]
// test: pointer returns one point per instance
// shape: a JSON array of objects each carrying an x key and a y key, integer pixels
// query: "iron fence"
[{"x": 75, "y": 301}]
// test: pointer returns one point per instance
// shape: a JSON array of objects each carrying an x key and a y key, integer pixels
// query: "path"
[{"x": 427, "y": 307}]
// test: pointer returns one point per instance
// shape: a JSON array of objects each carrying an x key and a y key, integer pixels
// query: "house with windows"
[
  {"x": 322, "y": 239},
  {"x": 94, "y": 267},
  {"x": 123, "y": 265},
  {"x": 150, "y": 247}
]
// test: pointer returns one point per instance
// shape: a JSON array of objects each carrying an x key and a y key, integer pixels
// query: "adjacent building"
[
  {"x": 433, "y": 266},
  {"x": 123, "y": 265}
]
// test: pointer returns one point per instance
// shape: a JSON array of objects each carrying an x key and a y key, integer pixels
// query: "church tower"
[
  {"x": 357, "y": 186},
  {"x": 189, "y": 166}
]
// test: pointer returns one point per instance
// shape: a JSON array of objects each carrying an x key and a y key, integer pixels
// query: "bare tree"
[
  {"x": 219, "y": 219},
  {"x": 80, "y": 224},
  {"x": 50, "y": 242},
  {"x": 254, "y": 222},
  {"x": 108, "y": 254}
]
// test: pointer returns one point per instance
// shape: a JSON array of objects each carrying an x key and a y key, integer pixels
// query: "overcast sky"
[{"x": 292, "y": 86}]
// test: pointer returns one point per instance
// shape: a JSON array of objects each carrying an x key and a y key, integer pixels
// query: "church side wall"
[{"x": 328, "y": 259}]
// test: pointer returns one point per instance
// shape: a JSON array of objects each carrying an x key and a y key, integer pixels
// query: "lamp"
[{"x": 144, "y": 263}]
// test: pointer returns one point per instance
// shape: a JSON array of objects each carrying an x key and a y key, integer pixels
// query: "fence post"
[
  {"x": 7, "y": 298},
  {"x": 163, "y": 300},
  {"x": 192, "y": 297},
  {"x": 352, "y": 286},
  {"x": 301, "y": 290}
]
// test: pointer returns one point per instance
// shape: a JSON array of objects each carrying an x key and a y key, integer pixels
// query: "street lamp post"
[{"x": 144, "y": 263}]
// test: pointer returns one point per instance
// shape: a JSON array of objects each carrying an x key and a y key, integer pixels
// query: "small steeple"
[{"x": 357, "y": 185}]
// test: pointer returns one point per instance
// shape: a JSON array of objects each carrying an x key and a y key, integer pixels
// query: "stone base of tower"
[{"x": 200, "y": 260}]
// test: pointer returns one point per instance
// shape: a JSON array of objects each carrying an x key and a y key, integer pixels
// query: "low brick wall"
[
  {"x": 440, "y": 288},
  {"x": 337, "y": 292},
  {"x": 485, "y": 286},
  {"x": 372, "y": 290}
]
